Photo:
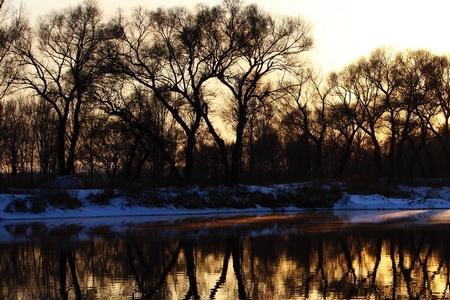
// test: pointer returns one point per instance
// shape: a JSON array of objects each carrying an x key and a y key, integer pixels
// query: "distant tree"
[
  {"x": 11, "y": 129},
  {"x": 442, "y": 90},
  {"x": 266, "y": 155},
  {"x": 145, "y": 117},
  {"x": 415, "y": 90},
  {"x": 261, "y": 119},
  {"x": 369, "y": 104},
  {"x": 266, "y": 47},
  {"x": 10, "y": 29},
  {"x": 61, "y": 65},
  {"x": 342, "y": 121},
  {"x": 43, "y": 127},
  {"x": 437, "y": 105},
  {"x": 173, "y": 53},
  {"x": 384, "y": 74},
  {"x": 308, "y": 101}
]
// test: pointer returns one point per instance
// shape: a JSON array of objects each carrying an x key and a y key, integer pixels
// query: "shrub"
[
  {"x": 35, "y": 205},
  {"x": 148, "y": 199},
  {"x": 311, "y": 196},
  {"x": 191, "y": 200},
  {"x": 229, "y": 198},
  {"x": 286, "y": 198},
  {"x": 132, "y": 189},
  {"x": 17, "y": 205},
  {"x": 38, "y": 204},
  {"x": 217, "y": 199},
  {"x": 265, "y": 200},
  {"x": 386, "y": 190},
  {"x": 61, "y": 199},
  {"x": 104, "y": 198}
]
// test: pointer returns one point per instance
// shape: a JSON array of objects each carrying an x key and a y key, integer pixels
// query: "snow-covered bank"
[
  {"x": 165, "y": 201},
  {"x": 83, "y": 203},
  {"x": 417, "y": 198}
]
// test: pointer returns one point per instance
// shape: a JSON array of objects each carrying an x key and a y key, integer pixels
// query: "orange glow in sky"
[{"x": 343, "y": 29}]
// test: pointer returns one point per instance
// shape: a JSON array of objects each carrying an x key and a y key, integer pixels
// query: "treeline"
[{"x": 221, "y": 94}]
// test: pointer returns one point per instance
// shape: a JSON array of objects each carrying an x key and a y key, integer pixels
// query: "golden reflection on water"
[{"x": 375, "y": 262}]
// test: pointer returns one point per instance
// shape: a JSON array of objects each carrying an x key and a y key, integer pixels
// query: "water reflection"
[{"x": 268, "y": 257}]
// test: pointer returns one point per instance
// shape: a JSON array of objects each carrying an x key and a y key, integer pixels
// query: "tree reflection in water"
[{"x": 369, "y": 263}]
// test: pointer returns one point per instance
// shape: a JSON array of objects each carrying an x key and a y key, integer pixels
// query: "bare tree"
[
  {"x": 369, "y": 104},
  {"x": 10, "y": 29},
  {"x": 342, "y": 121},
  {"x": 60, "y": 64},
  {"x": 415, "y": 90},
  {"x": 145, "y": 117},
  {"x": 44, "y": 124},
  {"x": 173, "y": 53},
  {"x": 385, "y": 76},
  {"x": 268, "y": 47},
  {"x": 439, "y": 77},
  {"x": 308, "y": 101}
]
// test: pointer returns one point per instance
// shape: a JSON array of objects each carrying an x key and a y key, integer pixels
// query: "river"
[{"x": 304, "y": 255}]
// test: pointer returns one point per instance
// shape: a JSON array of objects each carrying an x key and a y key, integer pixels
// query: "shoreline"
[
  {"x": 195, "y": 201},
  {"x": 217, "y": 213}
]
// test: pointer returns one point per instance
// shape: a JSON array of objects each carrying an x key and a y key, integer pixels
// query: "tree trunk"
[
  {"x": 377, "y": 157},
  {"x": 189, "y": 151},
  {"x": 13, "y": 160},
  {"x": 235, "y": 172},
  {"x": 392, "y": 148},
  {"x": 222, "y": 149},
  {"x": 61, "y": 148},
  {"x": 399, "y": 160},
  {"x": 444, "y": 148},
  {"x": 74, "y": 138},
  {"x": 418, "y": 159},
  {"x": 345, "y": 157},
  {"x": 431, "y": 169},
  {"x": 319, "y": 150},
  {"x": 236, "y": 156}
]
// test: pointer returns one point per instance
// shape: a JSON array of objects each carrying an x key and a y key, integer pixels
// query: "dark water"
[{"x": 311, "y": 255}]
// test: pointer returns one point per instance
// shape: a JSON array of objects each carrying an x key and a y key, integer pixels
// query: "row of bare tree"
[
  {"x": 389, "y": 111},
  {"x": 213, "y": 94}
]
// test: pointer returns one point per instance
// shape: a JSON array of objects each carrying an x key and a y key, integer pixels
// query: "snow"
[
  {"x": 364, "y": 202},
  {"x": 420, "y": 198},
  {"x": 117, "y": 208}
]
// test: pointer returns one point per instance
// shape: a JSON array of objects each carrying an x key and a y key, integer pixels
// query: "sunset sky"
[{"x": 343, "y": 29}]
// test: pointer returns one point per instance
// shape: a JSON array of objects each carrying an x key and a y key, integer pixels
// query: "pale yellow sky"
[{"x": 343, "y": 29}]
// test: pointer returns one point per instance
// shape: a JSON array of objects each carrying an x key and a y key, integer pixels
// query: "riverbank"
[{"x": 84, "y": 203}]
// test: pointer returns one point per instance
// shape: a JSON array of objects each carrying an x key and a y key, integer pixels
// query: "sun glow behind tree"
[{"x": 342, "y": 30}]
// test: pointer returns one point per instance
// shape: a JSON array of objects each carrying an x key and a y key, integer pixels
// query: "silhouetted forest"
[{"x": 214, "y": 95}]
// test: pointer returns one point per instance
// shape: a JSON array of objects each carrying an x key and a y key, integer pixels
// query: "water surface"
[{"x": 308, "y": 255}]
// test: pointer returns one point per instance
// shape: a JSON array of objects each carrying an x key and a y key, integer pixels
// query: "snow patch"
[{"x": 370, "y": 202}]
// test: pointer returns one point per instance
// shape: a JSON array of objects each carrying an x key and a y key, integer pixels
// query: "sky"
[{"x": 343, "y": 30}]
